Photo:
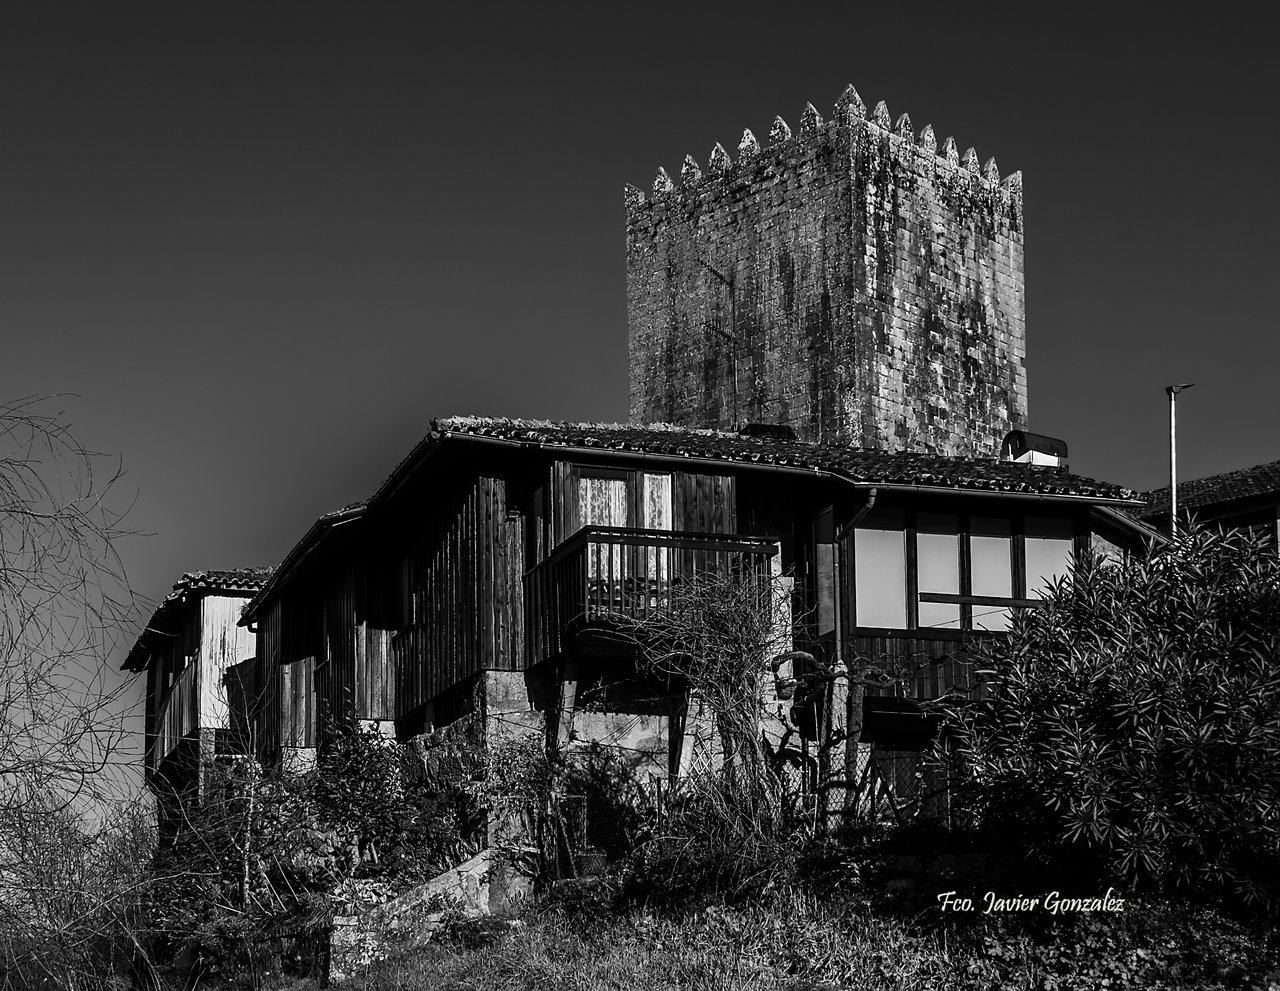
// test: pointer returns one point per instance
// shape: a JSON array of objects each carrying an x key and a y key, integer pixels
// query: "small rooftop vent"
[
  {"x": 773, "y": 431},
  {"x": 1027, "y": 448}
]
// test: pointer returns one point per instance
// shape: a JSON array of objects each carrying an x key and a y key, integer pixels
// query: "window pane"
[
  {"x": 1105, "y": 551},
  {"x": 993, "y": 618},
  {"x": 938, "y": 556},
  {"x": 824, "y": 579},
  {"x": 824, "y": 565},
  {"x": 656, "y": 515},
  {"x": 991, "y": 559},
  {"x": 1047, "y": 558},
  {"x": 603, "y": 501},
  {"x": 881, "y": 578},
  {"x": 938, "y": 570},
  {"x": 939, "y": 616},
  {"x": 657, "y": 502}
]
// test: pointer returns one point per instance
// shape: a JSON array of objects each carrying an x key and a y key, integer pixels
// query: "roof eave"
[
  {"x": 1133, "y": 524},
  {"x": 814, "y": 471},
  {"x": 296, "y": 556}
]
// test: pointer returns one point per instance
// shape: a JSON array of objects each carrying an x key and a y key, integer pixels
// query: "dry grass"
[
  {"x": 799, "y": 943},
  {"x": 795, "y": 944}
]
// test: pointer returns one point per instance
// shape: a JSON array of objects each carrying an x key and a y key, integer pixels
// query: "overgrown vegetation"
[
  {"x": 70, "y": 850},
  {"x": 1128, "y": 735},
  {"x": 265, "y": 862},
  {"x": 793, "y": 941},
  {"x": 1132, "y": 726},
  {"x": 731, "y": 822}
]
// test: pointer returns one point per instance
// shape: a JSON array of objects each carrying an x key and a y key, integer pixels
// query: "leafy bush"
[
  {"x": 262, "y": 859},
  {"x": 1135, "y": 719}
]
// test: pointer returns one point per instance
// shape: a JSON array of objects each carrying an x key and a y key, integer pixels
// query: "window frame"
[{"x": 1020, "y": 599}]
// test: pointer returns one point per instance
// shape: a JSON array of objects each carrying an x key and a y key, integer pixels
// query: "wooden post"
[{"x": 567, "y": 699}]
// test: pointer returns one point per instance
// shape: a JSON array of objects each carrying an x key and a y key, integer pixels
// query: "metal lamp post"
[{"x": 1172, "y": 391}]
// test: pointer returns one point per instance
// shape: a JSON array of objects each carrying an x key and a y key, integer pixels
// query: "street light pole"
[{"x": 1172, "y": 391}]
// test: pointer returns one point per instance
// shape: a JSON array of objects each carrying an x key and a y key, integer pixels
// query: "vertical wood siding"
[
  {"x": 465, "y": 575},
  {"x": 335, "y": 667},
  {"x": 285, "y": 707},
  {"x": 928, "y": 667},
  {"x": 222, "y": 644},
  {"x": 266, "y": 707},
  {"x": 298, "y": 700},
  {"x": 704, "y": 503},
  {"x": 565, "y": 512}
]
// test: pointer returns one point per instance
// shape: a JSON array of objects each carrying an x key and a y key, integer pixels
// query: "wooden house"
[
  {"x": 191, "y": 641},
  {"x": 481, "y": 577}
]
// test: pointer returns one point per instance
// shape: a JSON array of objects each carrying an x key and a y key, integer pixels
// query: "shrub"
[{"x": 1135, "y": 719}]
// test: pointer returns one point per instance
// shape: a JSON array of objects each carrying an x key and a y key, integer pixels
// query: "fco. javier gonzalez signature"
[{"x": 1054, "y": 903}]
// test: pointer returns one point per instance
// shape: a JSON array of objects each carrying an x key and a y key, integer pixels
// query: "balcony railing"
[
  {"x": 921, "y": 666},
  {"x": 176, "y": 716},
  {"x": 611, "y": 573}
]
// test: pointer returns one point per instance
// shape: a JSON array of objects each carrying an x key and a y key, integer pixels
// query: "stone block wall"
[{"x": 851, "y": 280}]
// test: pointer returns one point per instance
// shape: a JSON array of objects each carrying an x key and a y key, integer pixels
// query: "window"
[
  {"x": 880, "y": 571},
  {"x": 824, "y": 572},
  {"x": 931, "y": 571},
  {"x": 655, "y": 501},
  {"x": 938, "y": 570},
  {"x": 603, "y": 501},
  {"x": 991, "y": 570},
  {"x": 1049, "y": 545}
]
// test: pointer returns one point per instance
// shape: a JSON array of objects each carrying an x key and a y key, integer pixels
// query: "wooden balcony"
[
  {"x": 604, "y": 574},
  {"x": 924, "y": 665},
  {"x": 176, "y": 716}
]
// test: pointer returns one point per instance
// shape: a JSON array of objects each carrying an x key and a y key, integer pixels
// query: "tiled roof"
[
  {"x": 231, "y": 582},
  {"x": 239, "y": 581},
  {"x": 675, "y": 442},
  {"x": 853, "y": 464},
  {"x": 1260, "y": 480}
]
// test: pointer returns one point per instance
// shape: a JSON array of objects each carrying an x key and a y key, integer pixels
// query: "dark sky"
[{"x": 262, "y": 244}]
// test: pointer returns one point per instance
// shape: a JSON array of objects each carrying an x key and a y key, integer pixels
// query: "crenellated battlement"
[
  {"x": 849, "y": 113},
  {"x": 850, "y": 277}
]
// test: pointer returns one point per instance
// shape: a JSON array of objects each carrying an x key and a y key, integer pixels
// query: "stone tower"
[{"x": 851, "y": 281}]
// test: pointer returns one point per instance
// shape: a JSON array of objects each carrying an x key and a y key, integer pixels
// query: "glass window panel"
[
  {"x": 656, "y": 516},
  {"x": 995, "y": 619},
  {"x": 1104, "y": 551},
  {"x": 880, "y": 568},
  {"x": 939, "y": 616},
  {"x": 657, "y": 502},
  {"x": 1047, "y": 558},
  {"x": 603, "y": 501},
  {"x": 824, "y": 571},
  {"x": 938, "y": 562},
  {"x": 824, "y": 563},
  {"x": 991, "y": 559},
  {"x": 938, "y": 569}
]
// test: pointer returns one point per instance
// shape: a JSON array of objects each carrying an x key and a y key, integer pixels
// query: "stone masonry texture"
[{"x": 851, "y": 281}]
